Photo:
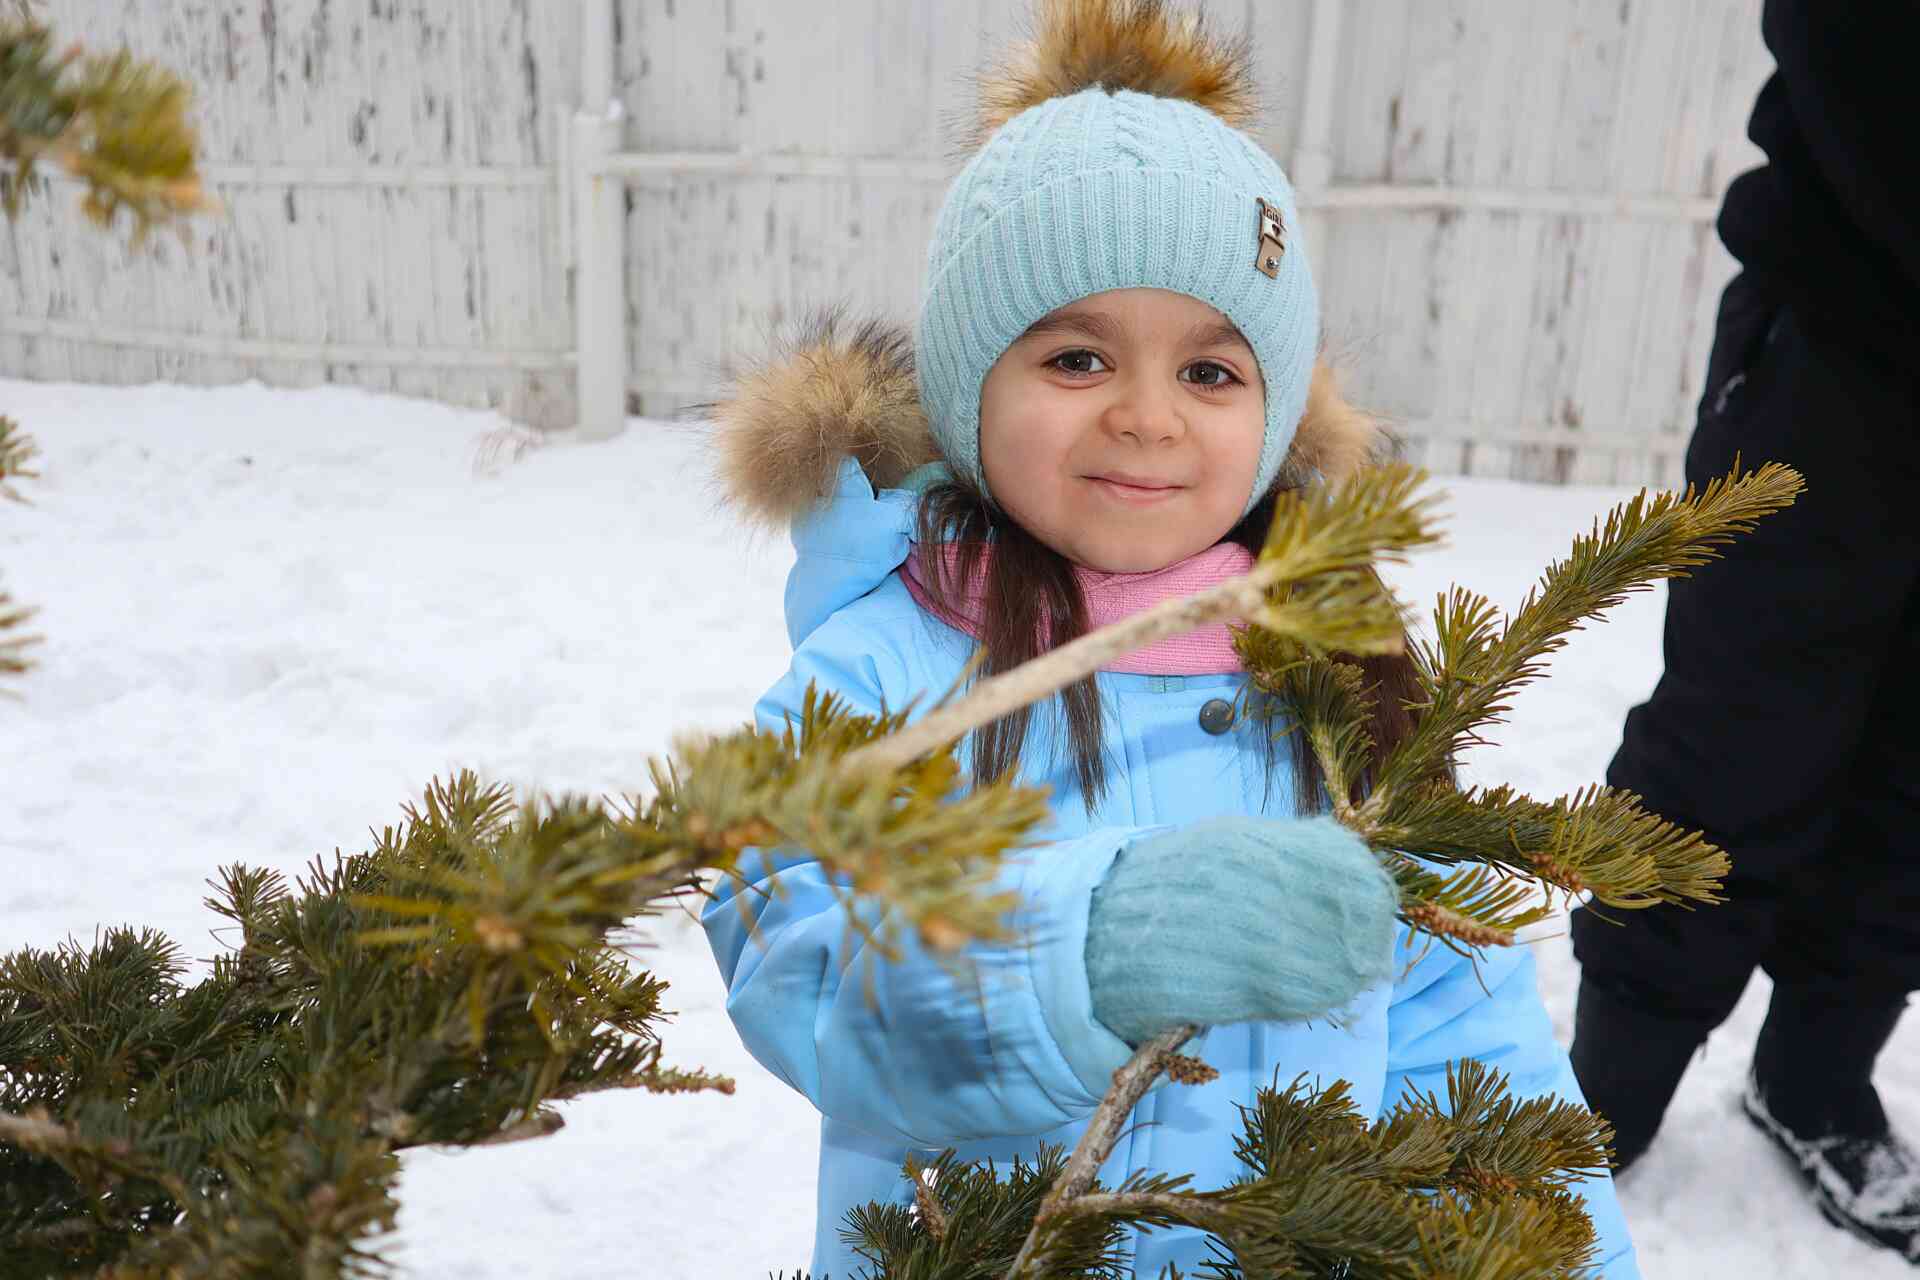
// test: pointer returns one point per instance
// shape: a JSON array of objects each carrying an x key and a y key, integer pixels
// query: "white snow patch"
[{"x": 271, "y": 616}]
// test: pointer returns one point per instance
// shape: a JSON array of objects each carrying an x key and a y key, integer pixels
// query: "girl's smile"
[
  {"x": 1124, "y": 430},
  {"x": 1138, "y": 494}
]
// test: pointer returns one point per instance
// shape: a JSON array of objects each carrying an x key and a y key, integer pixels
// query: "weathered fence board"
[
  {"x": 390, "y": 212},
  {"x": 1516, "y": 252}
]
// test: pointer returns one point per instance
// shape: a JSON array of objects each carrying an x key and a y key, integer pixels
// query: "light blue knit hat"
[{"x": 1113, "y": 189}]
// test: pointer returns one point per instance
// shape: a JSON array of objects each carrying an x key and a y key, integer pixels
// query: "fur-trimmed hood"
[{"x": 845, "y": 389}]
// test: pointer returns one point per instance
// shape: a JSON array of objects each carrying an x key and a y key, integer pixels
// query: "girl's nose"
[{"x": 1146, "y": 415}]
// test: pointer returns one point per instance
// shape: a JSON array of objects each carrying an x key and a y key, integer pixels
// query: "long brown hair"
[{"x": 1032, "y": 601}]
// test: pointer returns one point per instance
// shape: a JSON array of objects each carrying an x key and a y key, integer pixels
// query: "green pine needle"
[
  {"x": 1474, "y": 1187},
  {"x": 1473, "y": 665},
  {"x": 1493, "y": 859},
  {"x": 116, "y": 123}
]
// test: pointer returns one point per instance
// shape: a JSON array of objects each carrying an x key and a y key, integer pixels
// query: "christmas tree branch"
[
  {"x": 1130, "y": 1084},
  {"x": 1595, "y": 841},
  {"x": 1473, "y": 665},
  {"x": 14, "y": 638},
  {"x": 883, "y": 806},
  {"x": 115, "y": 123},
  {"x": 540, "y": 1124},
  {"x": 17, "y": 452},
  {"x": 1311, "y": 584},
  {"x": 1481, "y": 1188}
]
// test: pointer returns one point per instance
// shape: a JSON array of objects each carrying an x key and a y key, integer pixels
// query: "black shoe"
[{"x": 1867, "y": 1183}]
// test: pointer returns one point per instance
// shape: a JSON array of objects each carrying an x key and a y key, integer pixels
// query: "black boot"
[
  {"x": 1629, "y": 1062},
  {"x": 1811, "y": 1091}
]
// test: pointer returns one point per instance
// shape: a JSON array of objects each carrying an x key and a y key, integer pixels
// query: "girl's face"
[{"x": 1123, "y": 430}]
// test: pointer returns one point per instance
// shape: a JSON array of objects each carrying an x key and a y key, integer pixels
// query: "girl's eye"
[
  {"x": 1080, "y": 363},
  {"x": 1210, "y": 375}
]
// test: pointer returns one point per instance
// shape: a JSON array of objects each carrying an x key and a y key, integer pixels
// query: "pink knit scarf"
[{"x": 1111, "y": 597}]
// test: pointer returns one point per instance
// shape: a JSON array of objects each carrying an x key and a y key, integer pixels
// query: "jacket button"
[{"x": 1217, "y": 716}]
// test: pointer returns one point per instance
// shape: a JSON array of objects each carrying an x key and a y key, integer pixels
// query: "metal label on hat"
[{"x": 1273, "y": 239}]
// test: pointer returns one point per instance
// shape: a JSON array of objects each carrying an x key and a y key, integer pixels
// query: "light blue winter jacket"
[{"x": 917, "y": 1062}]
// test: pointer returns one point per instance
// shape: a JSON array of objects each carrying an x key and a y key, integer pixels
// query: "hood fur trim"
[
  {"x": 842, "y": 390},
  {"x": 837, "y": 390},
  {"x": 1143, "y": 45},
  {"x": 1335, "y": 440}
]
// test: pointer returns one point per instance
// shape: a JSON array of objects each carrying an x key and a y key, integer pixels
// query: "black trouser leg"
[
  {"x": 1813, "y": 1062},
  {"x": 1777, "y": 657}
]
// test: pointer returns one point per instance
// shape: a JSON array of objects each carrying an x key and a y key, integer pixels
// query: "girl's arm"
[
  {"x": 1005, "y": 1043},
  {"x": 1443, "y": 1011}
]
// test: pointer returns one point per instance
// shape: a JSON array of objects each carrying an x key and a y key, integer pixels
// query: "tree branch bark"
[
  {"x": 538, "y": 1125},
  {"x": 1001, "y": 695},
  {"x": 1130, "y": 1082}
]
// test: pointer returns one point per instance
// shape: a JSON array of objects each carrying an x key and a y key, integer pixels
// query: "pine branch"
[
  {"x": 15, "y": 640},
  {"x": 1507, "y": 848},
  {"x": 968, "y": 1222},
  {"x": 1596, "y": 840},
  {"x": 916, "y": 842},
  {"x": 1311, "y": 585},
  {"x": 1130, "y": 1084},
  {"x": 117, "y": 124},
  {"x": 17, "y": 452},
  {"x": 247, "y": 1125},
  {"x": 1474, "y": 906},
  {"x": 1329, "y": 701},
  {"x": 1478, "y": 1188},
  {"x": 1472, "y": 667}
]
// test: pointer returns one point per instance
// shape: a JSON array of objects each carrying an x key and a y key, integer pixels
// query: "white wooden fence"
[{"x": 1511, "y": 201}]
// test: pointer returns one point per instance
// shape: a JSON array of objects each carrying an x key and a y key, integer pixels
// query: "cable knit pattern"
[
  {"x": 1238, "y": 920},
  {"x": 1097, "y": 191},
  {"x": 1112, "y": 597}
]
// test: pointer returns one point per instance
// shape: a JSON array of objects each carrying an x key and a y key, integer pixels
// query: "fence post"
[{"x": 599, "y": 234}]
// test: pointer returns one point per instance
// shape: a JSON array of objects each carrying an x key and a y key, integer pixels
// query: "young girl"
[{"x": 1112, "y": 379}]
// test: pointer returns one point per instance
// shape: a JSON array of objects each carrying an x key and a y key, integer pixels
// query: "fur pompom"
[
  {"x": 827, "y": 395},
  {"x": 1142, "y": 45}
]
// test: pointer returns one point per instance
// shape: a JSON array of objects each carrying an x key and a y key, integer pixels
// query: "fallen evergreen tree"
[{"x": 452, "y": 982}]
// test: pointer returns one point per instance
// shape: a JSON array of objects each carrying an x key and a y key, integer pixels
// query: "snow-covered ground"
[{"x": 272, "y": 616}]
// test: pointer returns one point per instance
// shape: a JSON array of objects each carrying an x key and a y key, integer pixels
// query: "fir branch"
[
  {"x": 1329, "y": 701},
  {"x": 1312, "y": 584},
  {"x": 1476, "y": 1188},
  {"x": 1540, "y": 1141},
  {"x": 15, "y": 640},
  {"x": 17, "y": 452},
  {"x": 115, "y": 123},
  {"x": 1596, "y": 840},
  {"x": 1130, "y": 1084},
  {"x": 247, "y": 1124},
  {"x": 1472, "y": 667},
  {"x": 1475, "y": 906},
  {"x": 918, "y": 842},
  {"x": 540, "y": 1124},
  {"x": 933, "y": 1215},
  {"x": 982, "y": 1215}
]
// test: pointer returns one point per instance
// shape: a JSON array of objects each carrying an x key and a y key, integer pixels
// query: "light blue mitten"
[{"x": 1238, "y": 920}]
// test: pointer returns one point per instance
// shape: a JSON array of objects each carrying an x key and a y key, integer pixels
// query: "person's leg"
[
  {"x": 1846, "y": 952},
  {"x": 1845, "y": 957},
  {"x": 1772, "y": 657}
]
